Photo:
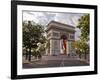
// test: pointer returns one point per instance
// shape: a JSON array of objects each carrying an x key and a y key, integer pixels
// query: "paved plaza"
[{"x": 54, "y": 61}]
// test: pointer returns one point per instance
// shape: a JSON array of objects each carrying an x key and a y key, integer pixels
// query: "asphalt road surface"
[{"x": 55, "y": 61}]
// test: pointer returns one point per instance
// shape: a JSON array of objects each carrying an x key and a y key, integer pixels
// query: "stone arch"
[{"x": 63, "y": 37}]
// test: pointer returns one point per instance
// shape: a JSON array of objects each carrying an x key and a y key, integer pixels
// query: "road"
[{"x": 55, "y": 61}]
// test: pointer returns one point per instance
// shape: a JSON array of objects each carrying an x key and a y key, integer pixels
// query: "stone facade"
[{"x": 59, "y": 34}]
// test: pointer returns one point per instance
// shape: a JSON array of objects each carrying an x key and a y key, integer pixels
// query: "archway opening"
[{"x": 64, "y": 43}]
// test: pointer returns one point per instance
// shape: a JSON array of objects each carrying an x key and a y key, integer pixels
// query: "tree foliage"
[
  {"x": 82, "y": 45},
  {"x": 84, "y": 25},
  {"x": 32, "y": 35}
]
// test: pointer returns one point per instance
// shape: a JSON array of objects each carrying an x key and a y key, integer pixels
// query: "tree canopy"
[
  {"x": 82, "y": 45},
  {"x": 32, "y": 35},
  {"x": 84, "y": 26}
]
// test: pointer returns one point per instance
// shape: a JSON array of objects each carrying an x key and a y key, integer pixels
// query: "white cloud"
[
  {"x": 68, "y": 18},
  {"x": 45, "y": 17},
  {"x": 38, "y": 17},
  {"x": 29, "y": 17},
  {"x": 63, "y": 18}
]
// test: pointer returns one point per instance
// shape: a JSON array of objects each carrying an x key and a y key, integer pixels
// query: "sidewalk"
[{"x": 87, "y": 61}]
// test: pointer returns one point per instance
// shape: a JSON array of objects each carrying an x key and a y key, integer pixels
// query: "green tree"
[
  {"x": 84, "y": 25},
  {"x": 81, "y": 47},
  {"x": 32, "y": 34}
]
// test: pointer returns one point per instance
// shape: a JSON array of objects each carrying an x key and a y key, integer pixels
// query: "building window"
[{"x": 55, "y": 34}]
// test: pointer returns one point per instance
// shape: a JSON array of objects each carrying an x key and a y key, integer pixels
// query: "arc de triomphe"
[{"x": 61, "y": 37}]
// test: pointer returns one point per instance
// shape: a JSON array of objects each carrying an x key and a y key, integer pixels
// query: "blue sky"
[{"x": 45, "y": 17}]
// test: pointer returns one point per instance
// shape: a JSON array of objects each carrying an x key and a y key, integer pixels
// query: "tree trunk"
[
  {"x": 85, "y": 56},
  {"x": 29, "y": 54},
  {"x": 26, "y": 55}
]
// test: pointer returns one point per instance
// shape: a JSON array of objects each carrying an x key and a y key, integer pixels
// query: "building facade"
[{"x": 60, "y": 38}]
